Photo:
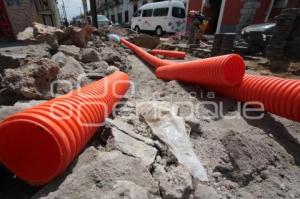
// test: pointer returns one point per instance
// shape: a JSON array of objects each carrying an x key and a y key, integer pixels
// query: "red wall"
[
  {"x": 232, "y": 12},
  {"x": 261, "y": 12}
]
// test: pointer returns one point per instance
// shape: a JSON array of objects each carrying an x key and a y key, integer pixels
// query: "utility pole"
[
  {"x": 84, "y": 5},
  {"x": 65, "y": 14},
  {"x": 94, "y": 13}
]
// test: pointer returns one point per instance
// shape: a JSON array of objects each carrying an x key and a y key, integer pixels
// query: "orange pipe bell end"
[
  {"x": 222, "y": 70},
  {"x": 168, "y": 53},
  {"x": 150, "y": 59},
  {"x": 39, "y": 143},
  {"x": 279, "y": 96}
]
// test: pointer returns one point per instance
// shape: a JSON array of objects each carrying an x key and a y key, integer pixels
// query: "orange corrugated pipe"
[
  {"x": 39, "y": 143},
  {"x": 222, "y": 70},
  {"x": 150, "y": 59},
  {"x": 168, "y": 53},
  {"x": 279, "y": 96}
]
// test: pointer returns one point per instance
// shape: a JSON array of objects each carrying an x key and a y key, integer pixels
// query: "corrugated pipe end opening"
[
  {"x": 233, "y": 69},
  {"x": 29, "y": 150}
]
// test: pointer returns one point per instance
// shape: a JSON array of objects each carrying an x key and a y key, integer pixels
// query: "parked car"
[
  {"x": 160, "y": 17},
  {"x": 103, "y": 20},
  {"x": 263, "y": 28}
]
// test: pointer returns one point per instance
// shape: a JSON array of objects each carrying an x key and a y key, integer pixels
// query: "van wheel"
[
  {"x": 158, "y": 31},
  {"x": 137, "y": 29}
]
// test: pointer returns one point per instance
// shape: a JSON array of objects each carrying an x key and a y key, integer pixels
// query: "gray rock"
[
  {"x": 110, "y": 56},
  {"x": 203, "y": 191},
  {"x": 111, "y": 70},
  {"x": 133, "y": 147},
  {"x": 70, "y": 50},
  {"x": 6, "y": 111},
  {"x": 13, "y": 57},
  {"x": 69, "y": 75},
  {"x": 109, "y": 173},
  {"x": 176, "y": 183},
  {"x": 59, "y": 58},
  {"x": 95, "y": 65},
  {"x": 32, "y": 80},
  {"x": 90, "y": 55}
]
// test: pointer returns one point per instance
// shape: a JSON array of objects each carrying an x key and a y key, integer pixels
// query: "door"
[
  {"x": 147, "y": 19},
  {"x": 6, "y": 31}
]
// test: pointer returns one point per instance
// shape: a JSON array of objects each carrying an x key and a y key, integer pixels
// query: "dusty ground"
[{"x": 244, "y": 158}]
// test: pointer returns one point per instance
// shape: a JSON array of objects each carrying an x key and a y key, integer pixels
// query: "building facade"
[
  {"x": 224, "y": 15},
  {"x": 121, "y": 11},
  {"x": 233, "y": 15},
  {"x": 16, "y": 15}
]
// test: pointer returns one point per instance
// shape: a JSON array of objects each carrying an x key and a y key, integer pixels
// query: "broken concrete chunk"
[
  {"x": 90, "y": 55},
  {"x": 13, "y": 57},
  {"x": 110, "y": 56},
  {"x": 59, "y": 58},
  {"x": 133, "y": 147},
  {"x": 108, "y": 173},
  {"x": 111, "y": 70},
  {"x": 69, "y": 76},
  {"x": 32, "y": 80},
  {"x": 174, "y": 184},
  {"x": 40, "y": 33},
  {"x": 203, "y": 191},
  {"x": 70, "y": 50}
]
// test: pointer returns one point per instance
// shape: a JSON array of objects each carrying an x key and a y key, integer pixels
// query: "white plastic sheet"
[{"x": 170, "y": 128}]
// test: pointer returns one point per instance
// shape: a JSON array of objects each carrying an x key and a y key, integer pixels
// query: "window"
[
  {"x": 126, "y": 16},
  {"x": 178, "y": 12},
  {"x": 147, "y": 13},
  {"x": 137, "y": 14},
  {"x": 112, "y": 17},
  {"x": 158, "y": 12},
  {"x": 120, "y": 18}
]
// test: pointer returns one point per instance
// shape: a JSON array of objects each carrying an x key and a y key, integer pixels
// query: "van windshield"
[
  {"x": 137, "y": 14},
  {"x": 178, "y": 12}
]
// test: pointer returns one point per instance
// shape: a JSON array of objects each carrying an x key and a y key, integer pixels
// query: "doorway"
[{"x": 213, "y": 12}]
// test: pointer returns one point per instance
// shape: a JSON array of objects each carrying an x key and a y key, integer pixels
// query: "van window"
[
  {"x": 159, "y": 12},
  {"x": 178, "y": 12},
  {"x": 147, "y": 13},
  {"x": 137, "y": 14}
]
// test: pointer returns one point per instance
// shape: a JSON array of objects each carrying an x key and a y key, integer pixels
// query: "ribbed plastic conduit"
[
  {"x": 279, "y": 96},
  {"x": 222, "y": 70},
  {"x": 168, "y": 53},
  {"x": 39, "y": 143},
  {"x": 150, "y": 59}
]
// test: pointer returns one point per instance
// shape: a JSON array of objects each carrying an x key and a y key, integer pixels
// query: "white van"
[{"x": 160, "y": 17}]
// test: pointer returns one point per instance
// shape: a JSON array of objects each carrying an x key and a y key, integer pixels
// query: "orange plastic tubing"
[
  {"x": 168, "y": 53},
  {"x": 150, "y": 59},
  {"x": 279, "y": 96},
  {"x": 39, "y": 143},
  {"x": 222, "y": 70}
]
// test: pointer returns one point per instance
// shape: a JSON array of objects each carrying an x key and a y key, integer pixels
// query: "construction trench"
[{"x": 163, "y": 138}]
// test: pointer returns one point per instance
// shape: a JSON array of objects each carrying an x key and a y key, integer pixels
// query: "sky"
[{"x": 72, "y": 7}]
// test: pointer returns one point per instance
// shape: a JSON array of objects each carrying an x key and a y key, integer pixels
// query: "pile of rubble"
[{"x": 56, "y": 63}]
